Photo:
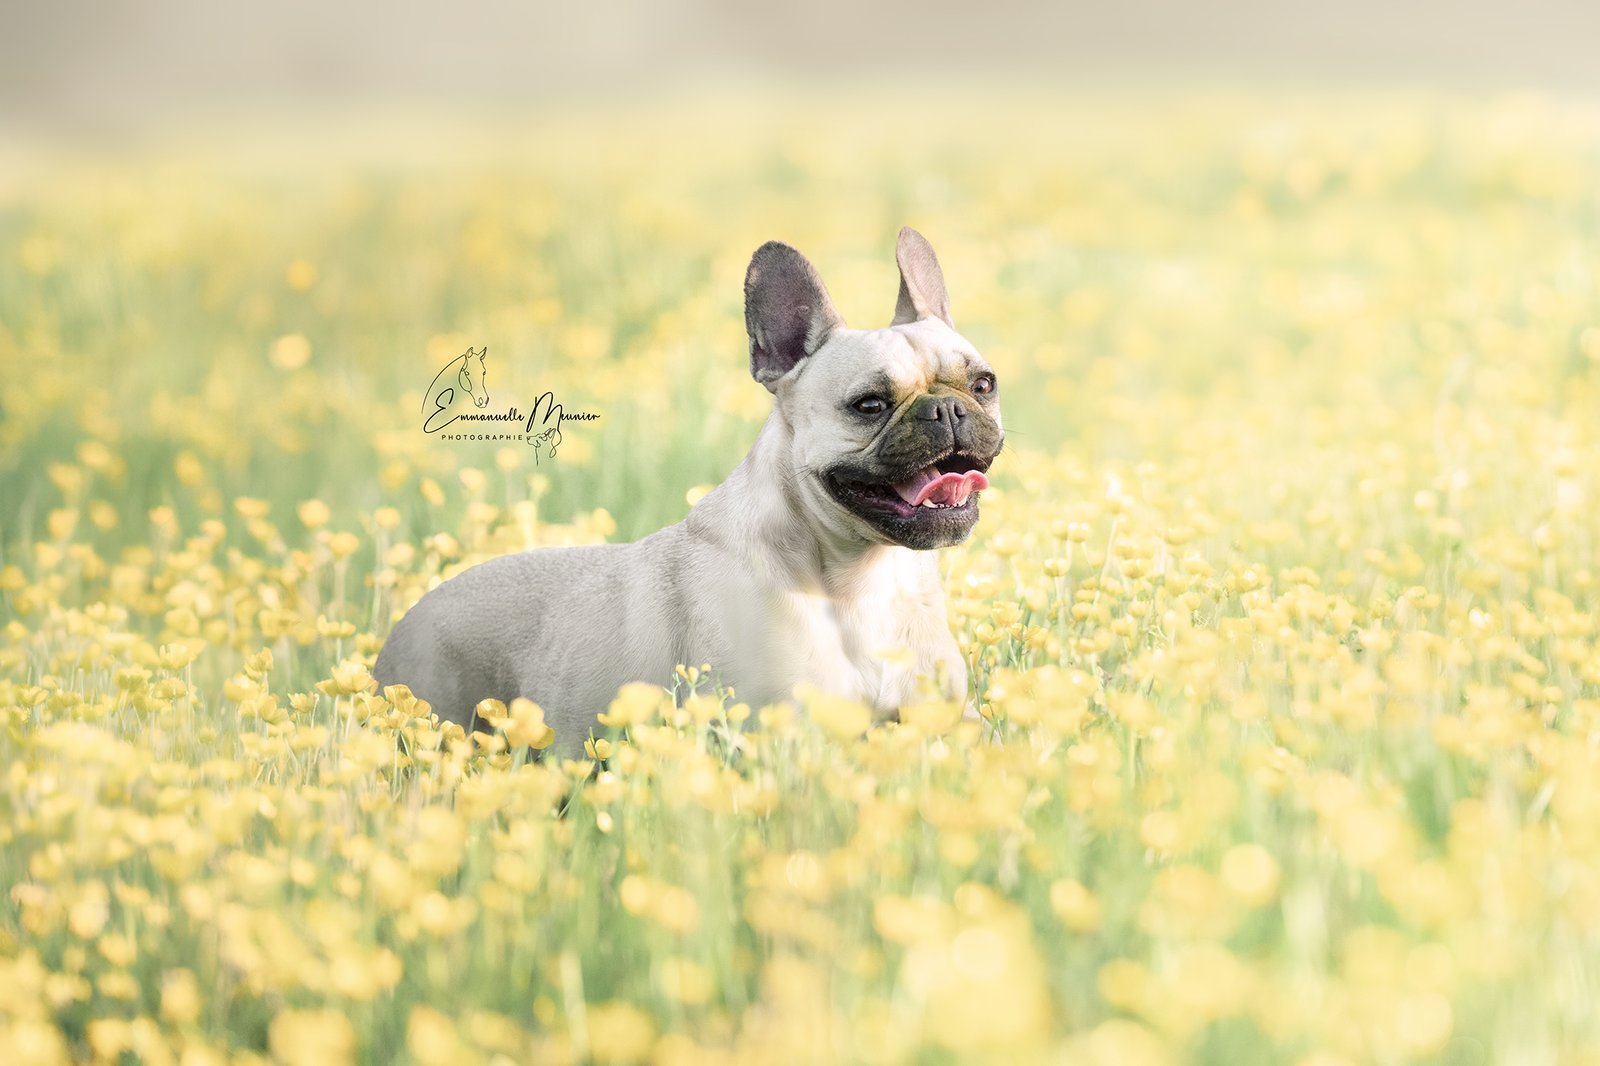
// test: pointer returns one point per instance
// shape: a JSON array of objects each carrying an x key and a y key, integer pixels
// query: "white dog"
[{"x": 809, "y": 560}]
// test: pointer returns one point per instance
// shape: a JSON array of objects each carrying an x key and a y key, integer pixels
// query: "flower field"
[{"x": 1281, "y": 614}]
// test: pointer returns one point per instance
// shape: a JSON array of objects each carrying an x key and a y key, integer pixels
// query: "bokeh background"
[
  {"x": 106, "y": 69},
  {"x": 582, "y": 184}
]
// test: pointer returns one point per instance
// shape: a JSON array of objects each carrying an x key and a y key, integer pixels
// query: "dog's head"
[{"x": 890, "y": 430}]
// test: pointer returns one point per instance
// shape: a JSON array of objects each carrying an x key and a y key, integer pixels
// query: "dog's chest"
[{"x": 871, "y": 645}]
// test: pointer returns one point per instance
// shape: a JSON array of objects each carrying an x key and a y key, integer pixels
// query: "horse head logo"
[
  {"x": 465, "y": 376},
  {"x": 474, "y": 375}
]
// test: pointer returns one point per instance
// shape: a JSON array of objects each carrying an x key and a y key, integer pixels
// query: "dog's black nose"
[{"x": 940, "y": 409}]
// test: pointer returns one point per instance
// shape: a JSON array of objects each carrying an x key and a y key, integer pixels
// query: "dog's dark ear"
[
  {"x": 922, "y": 293},
  {"x": 787, "y": 311}
]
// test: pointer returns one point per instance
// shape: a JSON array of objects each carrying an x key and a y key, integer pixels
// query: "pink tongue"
[{"x": 949, "y": 489}]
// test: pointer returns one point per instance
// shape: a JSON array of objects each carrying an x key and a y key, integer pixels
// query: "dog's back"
[{"x": 564, "y": 627}]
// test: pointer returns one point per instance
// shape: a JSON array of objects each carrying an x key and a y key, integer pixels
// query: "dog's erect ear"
[
  {"x": 787, "y": 311},
  {"x": 922, "y": 293}
]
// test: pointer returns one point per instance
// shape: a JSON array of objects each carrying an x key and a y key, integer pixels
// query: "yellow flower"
[
  {"x": 290, "y": 352},
  {"x": 636, "y": 703},
  {"x": 314, "y": 514},
  {"x": 181, "y": 999},
  {"x": 315, "y": 1037},
  {"x": 525, "y": 726},
  {"x": 933, "y": 717},
  {"x": 432, "y": 1038},
  {"x": 619, "y": 1034},
  {"x": 1250, "y": 873},
  {"x": 343, "y": 545},
  {"x": 1120, "y": 1042},
  {"x": 843, "y": 719},
  {"x": 1075, "y": 905},
  {"x": 349, "y": 677},
  {"x": 409, "y": 706},
  {"x": 300, "y": 274},
  {"x": 259, "y": 664}
]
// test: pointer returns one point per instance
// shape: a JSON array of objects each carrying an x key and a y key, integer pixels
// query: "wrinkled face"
[{"x": 893, "y": 429}]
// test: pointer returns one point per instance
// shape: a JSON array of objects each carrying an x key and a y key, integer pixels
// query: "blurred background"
[
  {"x": 110, "y": 70},
  {"x": 236, "y": 242}
]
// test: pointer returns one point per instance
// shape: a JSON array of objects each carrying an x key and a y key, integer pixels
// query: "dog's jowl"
[{"x": 804, "y": 566}]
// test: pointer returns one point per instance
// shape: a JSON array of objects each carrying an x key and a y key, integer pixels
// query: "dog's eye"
[
  {"x": 871, "y": 405},
  {"x": 983, "y": 385}
]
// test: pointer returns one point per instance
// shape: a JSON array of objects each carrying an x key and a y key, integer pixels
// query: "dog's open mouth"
[
  {"x": 933, "y": 487},
  {"x": 939, "y": 490}
]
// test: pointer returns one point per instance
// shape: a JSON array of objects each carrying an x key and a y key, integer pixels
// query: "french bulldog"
[{"x": 812, "y": 563}]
